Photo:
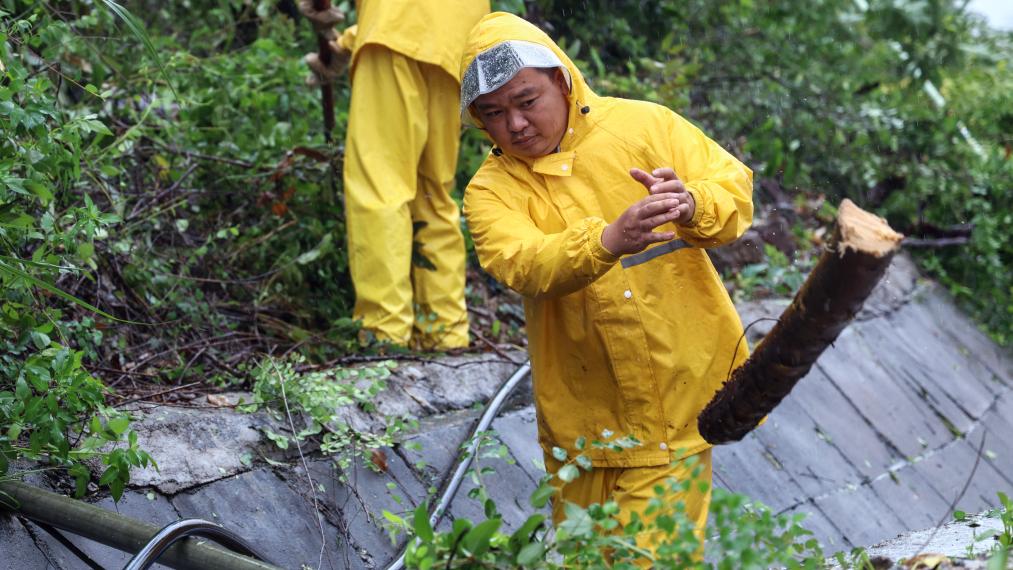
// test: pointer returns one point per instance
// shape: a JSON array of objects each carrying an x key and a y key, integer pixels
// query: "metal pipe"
[
  {"x": 465, "y": 459},
  {"x": 116, "y": 530},
  {"x": 179, "y": 530}
]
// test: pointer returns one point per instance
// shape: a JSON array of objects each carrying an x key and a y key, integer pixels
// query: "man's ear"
[{"x": 560, "y": 78}]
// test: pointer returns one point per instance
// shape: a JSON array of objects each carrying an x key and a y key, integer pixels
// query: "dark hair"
[{"x": 549, "y": 71}]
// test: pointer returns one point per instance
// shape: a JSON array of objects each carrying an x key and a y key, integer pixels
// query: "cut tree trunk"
[{"x": 856, "y": 258}]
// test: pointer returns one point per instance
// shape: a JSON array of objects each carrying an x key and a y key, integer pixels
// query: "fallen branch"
[
  {"x": 851, "y": 266},
  {"x": 936, "y": 242}
]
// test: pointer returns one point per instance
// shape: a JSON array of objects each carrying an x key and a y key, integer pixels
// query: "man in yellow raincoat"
[
  {"x": 624, "y": 338},
  {"x": 406, "y": 250}
]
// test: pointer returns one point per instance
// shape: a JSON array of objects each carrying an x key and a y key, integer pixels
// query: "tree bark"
[
  {"x": 853, "y": 263},
  {"x": 326, "y": 87}
]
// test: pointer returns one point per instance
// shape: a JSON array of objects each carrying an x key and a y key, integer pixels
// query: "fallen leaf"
[
  {"x": 927, "y": 561},
  {"x": 379, "y": 460},
  {"x": 218, "y": 401}
]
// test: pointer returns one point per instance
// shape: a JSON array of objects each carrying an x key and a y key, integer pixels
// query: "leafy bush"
[
  {"x": 51, "y": 408},
  {"x": 317, "y": 405},
  {"x": 745, "y": 535}
]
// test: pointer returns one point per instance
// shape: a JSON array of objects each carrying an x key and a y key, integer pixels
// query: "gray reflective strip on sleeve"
[{"x": 645, "y": 256}]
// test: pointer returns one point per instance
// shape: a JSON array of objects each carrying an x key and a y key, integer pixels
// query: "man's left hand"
[{"x": 664, "y": 180}]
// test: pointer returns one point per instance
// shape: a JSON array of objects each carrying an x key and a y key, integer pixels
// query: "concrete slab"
[
  {"x": 930, "y": 367},
  {"x": 347, "y": 512},
  {"x": 911, "y": 497},
  {"x": 18, "y": 550},
  {"x": 747, "y": 467},
  {"x": 450, "y": 383},
  {"x": 519, "y": 431},
  {"x": 861, "y": 515},
  {"x": 840, "y": 424},
  {"x": 434, "y": 448},
  {"x": 263, "y": 509},
  {"x": 807, "y": 455},
  {"x": 506, "y": 483},
  {"x": 193, "y": 447},
  {"x": 966, "y": 337},
  {"x": 948, "y": 470},
  {"x": 896, "y": 413}
]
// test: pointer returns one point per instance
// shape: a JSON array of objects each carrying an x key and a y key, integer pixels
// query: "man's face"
[{"x": 527, "y": 116}]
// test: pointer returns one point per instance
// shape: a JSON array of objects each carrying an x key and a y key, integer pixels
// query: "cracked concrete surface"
[{"x": 879, "y": 440}]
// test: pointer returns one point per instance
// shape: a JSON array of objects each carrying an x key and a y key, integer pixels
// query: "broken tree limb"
[{"x": 853, "y": 263}]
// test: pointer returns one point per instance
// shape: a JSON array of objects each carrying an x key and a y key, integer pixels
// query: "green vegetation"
[
  {"x": 743, "y": 535},
  {"x": 317, "y": 405}
]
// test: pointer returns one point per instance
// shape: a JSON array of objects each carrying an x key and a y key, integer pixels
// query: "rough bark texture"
[
  {"x": 858, "y": 255},
  {"x": 326, "y": 87}
]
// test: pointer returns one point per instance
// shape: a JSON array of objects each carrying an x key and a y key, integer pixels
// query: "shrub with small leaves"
[{"x": 318, "y": 403}]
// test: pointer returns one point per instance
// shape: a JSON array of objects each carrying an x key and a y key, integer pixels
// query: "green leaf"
[
  {"x": 542, "y": 494},
  {"x": 568, "y": 473},
  {"x": 138, "y": 31},
  {"x": 559, "y": 453},
  {"x": 119, "y": 424},
  {"x": 531, "y": 554},
  {"x": 523, "y": 534},
  {"x": 423, "y": 529},
  {"x": 477, "y": 541}
]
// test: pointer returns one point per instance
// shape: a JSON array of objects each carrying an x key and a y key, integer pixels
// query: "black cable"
[{"x": 69, "y": 546}]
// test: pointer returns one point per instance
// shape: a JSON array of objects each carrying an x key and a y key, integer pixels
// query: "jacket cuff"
[
  {"x": 596, "y": 249},
  {"x": 699, "y": 205}
]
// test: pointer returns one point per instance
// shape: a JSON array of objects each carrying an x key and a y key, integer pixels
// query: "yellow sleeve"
[
  {"x": 348, "y": 37},
  {"x": 524, "y": 258},
  {"x": 721, "y": 186}
]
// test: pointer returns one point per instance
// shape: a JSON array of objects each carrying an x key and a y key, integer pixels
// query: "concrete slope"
[{"x": 881, "y": 438}]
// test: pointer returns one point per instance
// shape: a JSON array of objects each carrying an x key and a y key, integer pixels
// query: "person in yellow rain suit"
[
  {"x": 622, "y": 339},
  {"x": 406, "y": 250}
]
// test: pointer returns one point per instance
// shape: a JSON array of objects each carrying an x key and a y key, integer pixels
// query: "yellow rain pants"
[
  {"x": 632, "y": 489},
  {"x": 400, "y": 158}
]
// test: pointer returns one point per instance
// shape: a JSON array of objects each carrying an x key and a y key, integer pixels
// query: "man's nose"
[{"x": 516, "y": 121}]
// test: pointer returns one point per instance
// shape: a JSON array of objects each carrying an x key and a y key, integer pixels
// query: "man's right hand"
[{"x": 634, "y": 229}]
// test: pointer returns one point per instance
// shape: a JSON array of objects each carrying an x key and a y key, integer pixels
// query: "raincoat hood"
[{"x": 500, "y": 27}]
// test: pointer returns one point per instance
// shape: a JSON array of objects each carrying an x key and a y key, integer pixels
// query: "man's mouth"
[{"x": 524, "y": 141}]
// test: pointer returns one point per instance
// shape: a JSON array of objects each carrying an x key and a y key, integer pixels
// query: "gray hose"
[{"x": 465, "y": 459}]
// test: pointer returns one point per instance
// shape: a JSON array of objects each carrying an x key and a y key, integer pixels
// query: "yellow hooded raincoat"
[{"x": 635, "y": 351}]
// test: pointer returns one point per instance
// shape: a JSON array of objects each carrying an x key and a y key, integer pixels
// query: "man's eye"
[
  {"x": 527, "y": 103},
  {"x": 491, "y": 114}
]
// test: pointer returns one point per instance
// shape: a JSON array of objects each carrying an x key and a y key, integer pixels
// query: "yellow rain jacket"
[
  {"x": 411, "y": 27},
  {"x": 636, "y": 351}
]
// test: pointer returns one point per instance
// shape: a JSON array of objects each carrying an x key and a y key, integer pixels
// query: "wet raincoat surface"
[
  {"x": 636, "y": 351},
  {"x": 405, "y": 246},
  {"x": 424, "y": 30}
]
